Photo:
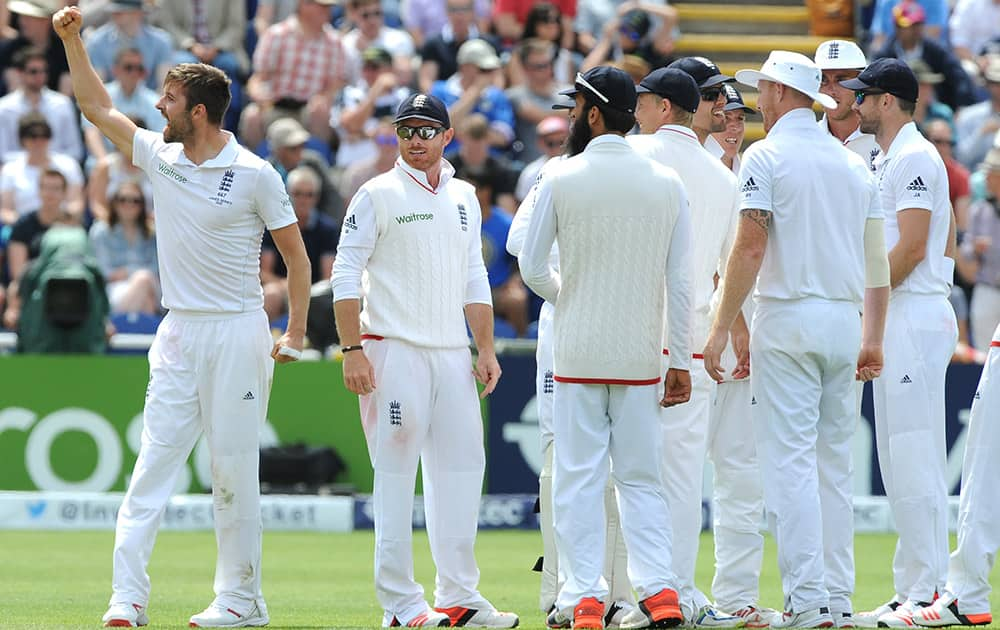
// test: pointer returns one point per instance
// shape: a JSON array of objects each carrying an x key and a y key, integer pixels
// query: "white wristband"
[{"x": 290, "y": 352}]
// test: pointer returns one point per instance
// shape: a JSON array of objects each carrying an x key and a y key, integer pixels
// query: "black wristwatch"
[{"x": 347, "y": 349}]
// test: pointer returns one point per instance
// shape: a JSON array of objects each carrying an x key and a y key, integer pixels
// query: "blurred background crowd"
[{"x": 315, "y": 84}]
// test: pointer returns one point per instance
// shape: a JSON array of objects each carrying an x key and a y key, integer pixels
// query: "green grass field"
[{"x": 62, "y": 580}]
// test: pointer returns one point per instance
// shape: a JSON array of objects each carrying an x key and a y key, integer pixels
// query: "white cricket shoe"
[
  {"x": 221, "y": 616},
  {"x": 844, "y": 620},
  {"x": 944, "y": 612},
  {"x": 815, "y": 618},
  {"x": 429, "y": 618},
  {"x": 869, "y": 619},
  {"x": 479, "y": 617},
  {"x": 710, "y": 617},
  {"x": 125, "y": 616},
  {"x": 902, "y": 617},
  {"x": 616, "y": 612},
  {"x": 754, "y": 617}
]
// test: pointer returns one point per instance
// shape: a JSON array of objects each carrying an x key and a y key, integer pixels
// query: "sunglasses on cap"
[
  {"x": 861, "y": 95},
  {"x": 425, "y": 133},
  {"x": 581, "y": 81},
  {"x": 711, "y": 94}
]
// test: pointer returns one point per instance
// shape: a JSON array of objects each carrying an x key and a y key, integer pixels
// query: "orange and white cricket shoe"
[
  {"x": 122, "y": 615},
  {"x": 479, "y": 617},
  {"x": 944, "y": 612}
]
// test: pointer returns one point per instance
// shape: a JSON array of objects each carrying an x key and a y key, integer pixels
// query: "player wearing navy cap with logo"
[
  {"x": 623, "y": 227},
  {"x": 667, "y": 100},
  {"x": 726, "y": 144},
  {"x": 415, "y": 230},
  {"x": 921, "y": 332},
  {"x": 810, "y": 241},
  {"x": 709, "y": 116}
]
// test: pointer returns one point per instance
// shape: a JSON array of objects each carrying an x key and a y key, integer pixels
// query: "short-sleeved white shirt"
[
  {"x": 210, "y": 219},
  {"x": 911, "y": 174},
  {"x": 821, "y": 195}
]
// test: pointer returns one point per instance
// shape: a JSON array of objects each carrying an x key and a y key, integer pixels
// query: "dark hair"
[
  {"x": 203, "y": 85},
  {"x": 540, "y": 13},
  {"x": 31, "y": 122},
  {"x": 23, "y": 56},
  {"x": 614, "y": 120},
  {"x": 907, "y": 107},
  {"x": 535, "y": 45},
  {"x": 143, "y": 218},
  {"x": 51, "y": 172}
]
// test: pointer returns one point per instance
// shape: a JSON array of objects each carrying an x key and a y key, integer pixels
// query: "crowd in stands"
[{"x": 315, "y": 84}]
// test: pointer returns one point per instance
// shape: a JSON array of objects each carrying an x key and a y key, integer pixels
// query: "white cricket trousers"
[
  {"x": 737, "y": 497},
  {"x": 594, "y": 423},
  {"x": 920, "y": 337},
  {"x": 208, "y": 373},
  {"x": 805, "y": 355},
  {"x": 685, "y": 442},
  {"x": 424, "y": 410},
  {"x": 984, "y": 314},
  {"x": 616, "y": 558},
  {"x": 979, "y": 506}
]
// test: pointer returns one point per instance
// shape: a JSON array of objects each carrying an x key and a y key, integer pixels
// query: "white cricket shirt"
[
  {"x": 911, "y": 174},
  {"x": 820, "y": 195},
  {"x": 717, "y": 151},
  {"x": 210, "y": 218},
  {"x": 861, "y": 143},
  {"x": 713, "y": 198}
]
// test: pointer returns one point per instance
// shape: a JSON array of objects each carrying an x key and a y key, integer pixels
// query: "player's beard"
[
  {"x": 579, "y": 136},
  {"x": 868, "y": 125},
  {"x": 178, "y": 129}
]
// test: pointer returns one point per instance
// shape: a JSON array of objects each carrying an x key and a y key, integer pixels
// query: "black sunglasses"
[
  {"x": 425, "y": 133},
  {"x": 711, "y": 94},
  {"x": 860, "y": 95}
]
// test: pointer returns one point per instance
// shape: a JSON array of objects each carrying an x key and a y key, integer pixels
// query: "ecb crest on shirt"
[
  {"x": 463, "y": 216},
  {"x": 225, "y": 186}
]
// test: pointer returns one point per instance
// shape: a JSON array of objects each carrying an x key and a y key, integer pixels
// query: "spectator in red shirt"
[{"x": 509, "y": 17}]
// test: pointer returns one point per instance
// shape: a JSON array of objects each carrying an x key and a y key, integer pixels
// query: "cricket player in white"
[
  {"x": 667, "y": 98},
  {"x": 613, "y": 211},
  {"x": 921, "y": 333},
  {"x": 727, "y": 144},
  {"x": 621, "y": 599},
  {"x": 811, "y": 226},
  {"x": 842, "y": 60},
  {"x": 966, "y": 597},
  {"x": 411, "y": 247},
  {"x": 211, "y": 360}
]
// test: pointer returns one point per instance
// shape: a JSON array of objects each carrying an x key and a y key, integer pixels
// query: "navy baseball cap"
[
  {"x": 889, "y": 75},
  {"x": 606, "y": 86},
  {"x": 424, "y": 107},
  {"x": 734, "y": 100},
  {"x": 673, "y": 84},
  {"x": 704, "y": 71}
]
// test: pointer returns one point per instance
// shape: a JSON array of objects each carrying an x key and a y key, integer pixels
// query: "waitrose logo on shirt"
[
  {"x": 169, "y": 172},
  {"x": 413, "y": 217}
]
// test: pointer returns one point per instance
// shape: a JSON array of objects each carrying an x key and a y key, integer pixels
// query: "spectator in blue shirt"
[
  {"x": 510, "y": 296},
  {"x": 883, "y": 26},
  {"x": 128, "y": 29},
  {"x": 473, "y": 89}
]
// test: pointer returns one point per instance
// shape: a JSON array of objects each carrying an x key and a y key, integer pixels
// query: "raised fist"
[{"x": 67, "y": 22}]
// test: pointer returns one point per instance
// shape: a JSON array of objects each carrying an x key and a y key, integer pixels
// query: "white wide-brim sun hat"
[{"x": 792, "y": 69}]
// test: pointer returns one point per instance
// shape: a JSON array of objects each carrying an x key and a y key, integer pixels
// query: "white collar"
[
  {"x": 677, "y": 131},
  {"x": 420, "y": 177}
]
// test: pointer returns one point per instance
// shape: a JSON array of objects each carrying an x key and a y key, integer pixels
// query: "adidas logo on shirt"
[
  {"x": 917, "y": 185},
  {"x": 977, "y": 396},
  {"x": 749, "y": 186},
  {"x": 248, "y": 396},
  {"x": 905, "y": 379},
  {"x": 350, "y": 223}
]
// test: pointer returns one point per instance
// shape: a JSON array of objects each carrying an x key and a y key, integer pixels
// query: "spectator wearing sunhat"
[
  {"x": 841, "y": 60},
  {"x": 883, "y": 25},
  {"x": 727, "y": 144},
  {"x": 667, "y": 101},
  {"x": 33, "y": 19},
  {"x": 911, "y": 43},
  {"x": 979, "y": 124},
  {"x": 623, "y": 227},
  {"x": 289, "y": 142},
  {"x": 709, "y": 118},
  {"x": 800, "y": 185},
  {"x": 128, "y": 29},
  {"x": 473, "y": 89}
]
